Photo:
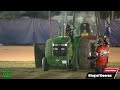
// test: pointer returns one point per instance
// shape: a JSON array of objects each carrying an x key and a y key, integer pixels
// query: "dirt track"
[
  {"x": 16, "y": 53},
  {"x": 26, "y": 70},
  {"x": 26, "y": 53},
  {"x": 114, "y": 55}
]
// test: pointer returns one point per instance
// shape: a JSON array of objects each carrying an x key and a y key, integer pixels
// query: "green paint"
[
  {"x": 59, "y": 39},
  {"x": 56, "y": 61},
  {"x": 6, "y": 74}
]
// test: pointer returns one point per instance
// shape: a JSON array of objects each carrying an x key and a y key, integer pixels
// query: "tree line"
[{"x": 46, "y": 14}]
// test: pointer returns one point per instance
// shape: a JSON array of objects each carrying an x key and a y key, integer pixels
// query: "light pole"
[{"x": 50, "y": 23}]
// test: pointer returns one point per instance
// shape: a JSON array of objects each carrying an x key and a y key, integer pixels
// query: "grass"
[
  {"x": 27, "y": 70},
  {"x": 17, "y": 64}
]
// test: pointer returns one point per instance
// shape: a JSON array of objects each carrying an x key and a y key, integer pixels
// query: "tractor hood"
[{"x": 61, "y": 40}]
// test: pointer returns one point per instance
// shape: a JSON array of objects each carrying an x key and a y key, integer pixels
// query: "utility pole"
[
  {"x": 73, "y": 19},
  {"x": 112, "y": 15},
  {"x": 97, "y": 15},
  {"x": 65, "y": 23}
]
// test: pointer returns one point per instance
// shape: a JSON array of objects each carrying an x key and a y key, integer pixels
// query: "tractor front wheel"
[{"x": 45, "y": 64}]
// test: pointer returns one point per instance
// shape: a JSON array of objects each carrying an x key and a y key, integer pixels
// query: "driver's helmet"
[
  {"x": 67, "y": 26},
  {"x": 104, "y": 36},
  {"x": 100, "y": 39}
]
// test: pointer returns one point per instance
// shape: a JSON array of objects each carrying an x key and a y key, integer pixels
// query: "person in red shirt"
[{"x": 102, "y": 55}]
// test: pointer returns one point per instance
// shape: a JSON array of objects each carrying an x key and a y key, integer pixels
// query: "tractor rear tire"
[
  {"x": 84, "y": 48},
  {"x": 45, "y": 64}
]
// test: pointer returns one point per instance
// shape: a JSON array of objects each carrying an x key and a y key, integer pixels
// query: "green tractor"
[
  {"x": 58, "y": 53},
  {"x": 70, "y": 49}
]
